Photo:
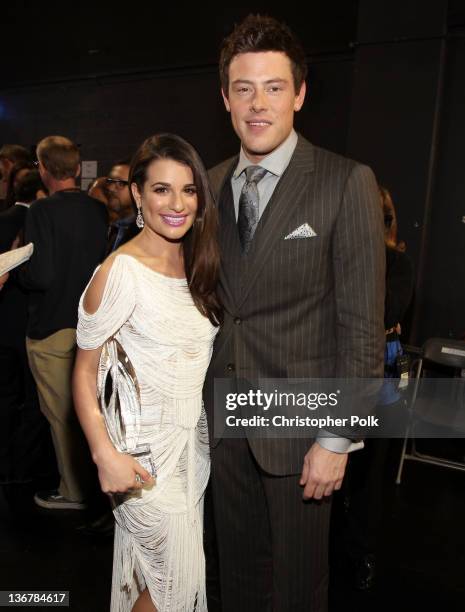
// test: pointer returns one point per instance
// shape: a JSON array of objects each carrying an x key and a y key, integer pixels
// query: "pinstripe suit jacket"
[{"x": 309, "y": 307}]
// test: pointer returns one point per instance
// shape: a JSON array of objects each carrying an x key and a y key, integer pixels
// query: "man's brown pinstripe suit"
[{"x": 308, "y": 307}]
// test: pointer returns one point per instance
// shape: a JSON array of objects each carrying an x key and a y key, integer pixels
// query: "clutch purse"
[{"x": 119, "y": 399}]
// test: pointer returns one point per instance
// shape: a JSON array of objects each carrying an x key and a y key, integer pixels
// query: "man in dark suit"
[{"x": 302, "y": 285}]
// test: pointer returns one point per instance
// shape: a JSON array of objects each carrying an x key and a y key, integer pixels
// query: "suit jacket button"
[
  {"x": 237, "y": 321},
  {"x": 230, "y": 367}
]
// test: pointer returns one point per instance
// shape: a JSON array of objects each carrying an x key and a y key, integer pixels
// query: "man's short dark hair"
[
  {"x": 259, "y": 33},
  {"x": 15, "y": 153}
]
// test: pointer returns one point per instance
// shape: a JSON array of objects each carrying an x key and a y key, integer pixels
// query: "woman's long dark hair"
[{"x": 200, "y": 244}]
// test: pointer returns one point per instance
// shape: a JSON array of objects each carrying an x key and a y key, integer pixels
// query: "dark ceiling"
[{"x": 50, "y": 41}]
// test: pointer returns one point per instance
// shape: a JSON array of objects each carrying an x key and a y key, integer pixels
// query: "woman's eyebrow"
[{"x": 160, "y": 183}]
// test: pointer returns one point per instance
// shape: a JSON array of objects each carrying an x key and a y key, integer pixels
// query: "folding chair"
[{"x": 450, "y": 355}]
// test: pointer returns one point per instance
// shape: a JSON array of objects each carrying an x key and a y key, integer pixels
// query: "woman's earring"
[{"x": 139, "y": 218}]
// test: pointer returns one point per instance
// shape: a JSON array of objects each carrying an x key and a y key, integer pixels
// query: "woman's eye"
[
  {"x": 190, "y": 190},
  {"x": 160, "y": 190}
]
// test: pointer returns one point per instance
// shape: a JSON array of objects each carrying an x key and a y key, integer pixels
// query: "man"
[
  {"x": 120, "y": 207},
  {"x": 69, "y": 231},
  {"x": 303, "y": 288}
]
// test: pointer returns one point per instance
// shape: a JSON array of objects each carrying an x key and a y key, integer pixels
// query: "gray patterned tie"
[{"x": 247, "y": 219}]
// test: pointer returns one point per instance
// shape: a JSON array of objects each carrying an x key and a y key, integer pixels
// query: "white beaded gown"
[{"x": 158, "y": 532}]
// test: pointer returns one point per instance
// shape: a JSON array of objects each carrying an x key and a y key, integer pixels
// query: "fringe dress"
[{"x": 159, "y": 531}]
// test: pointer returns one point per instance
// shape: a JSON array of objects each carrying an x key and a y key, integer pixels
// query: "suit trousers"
[
  {"x": 272, "y": 546},
  {"x": 51, "y": 361}
]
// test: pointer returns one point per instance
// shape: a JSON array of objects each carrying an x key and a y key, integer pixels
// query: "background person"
[
  {"x": 123, "y": 225},
  {"x": 69, "y": 230},
  {"x": 25, "y": 454},
  {"x": 28, "y": 187},
  {"x": 358, "y": 510},
  {"x": 97, "y": 190},
  {"x": 10, "y": 154}
]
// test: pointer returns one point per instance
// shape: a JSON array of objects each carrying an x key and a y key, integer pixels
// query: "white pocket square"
[{"x": 303, "y": 231}]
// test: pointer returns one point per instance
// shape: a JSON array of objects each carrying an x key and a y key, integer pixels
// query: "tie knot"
[{"x": 254, "y": 174}]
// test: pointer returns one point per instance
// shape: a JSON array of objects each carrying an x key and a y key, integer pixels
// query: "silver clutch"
[{"x": 119, "y": 398}]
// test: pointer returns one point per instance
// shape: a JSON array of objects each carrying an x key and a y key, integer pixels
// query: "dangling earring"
[{"x": 139, "y": 218}]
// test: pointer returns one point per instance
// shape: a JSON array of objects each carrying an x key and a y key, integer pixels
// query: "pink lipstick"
[{"x": 174, "y": 220}]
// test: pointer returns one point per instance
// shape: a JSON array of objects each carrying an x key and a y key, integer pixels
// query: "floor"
[{"x": 421, "y": 556}]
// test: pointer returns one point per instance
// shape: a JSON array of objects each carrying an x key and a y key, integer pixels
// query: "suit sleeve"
[
  {"x": 359, "y": 276},
  {"x": 38, "y": 273},
  {"x": 359, "y": 273}
]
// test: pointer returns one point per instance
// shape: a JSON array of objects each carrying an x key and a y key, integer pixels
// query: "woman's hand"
[{"x": 119, "y": 473}]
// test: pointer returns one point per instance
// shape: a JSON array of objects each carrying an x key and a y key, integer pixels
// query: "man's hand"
[{"x": 323, "y": 472}]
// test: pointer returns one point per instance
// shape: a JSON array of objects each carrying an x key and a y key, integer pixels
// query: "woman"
[{"x": 156, "y": 295}]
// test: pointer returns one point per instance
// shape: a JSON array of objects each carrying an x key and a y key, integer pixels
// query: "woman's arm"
[{"x": 117, "y": 471}]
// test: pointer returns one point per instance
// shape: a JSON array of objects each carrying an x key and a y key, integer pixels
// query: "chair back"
[{"x": 445, "y": 351}]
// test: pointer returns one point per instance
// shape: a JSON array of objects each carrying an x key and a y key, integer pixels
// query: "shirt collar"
[
  {"x": 276, "y": 162},
  {"x": 25, "y": 204}
]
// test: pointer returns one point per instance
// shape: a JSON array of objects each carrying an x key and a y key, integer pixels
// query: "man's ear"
[
  {"x": 44, "y": 174},
  {"x": 300, "y": 97},
  {"x": 226, "y": 101},
  {"x": 136, "y": 195}
]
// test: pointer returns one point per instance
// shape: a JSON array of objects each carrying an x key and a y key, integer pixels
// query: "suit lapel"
[{"x": 290, "y": 191}]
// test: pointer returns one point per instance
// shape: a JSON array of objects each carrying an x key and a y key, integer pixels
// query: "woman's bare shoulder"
[{"x": 96, "y": 288}]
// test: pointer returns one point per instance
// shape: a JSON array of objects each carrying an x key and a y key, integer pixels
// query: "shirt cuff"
[{"x": 336, "y": 444}]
